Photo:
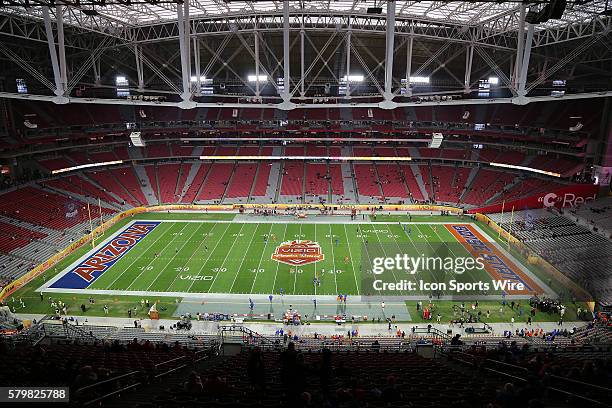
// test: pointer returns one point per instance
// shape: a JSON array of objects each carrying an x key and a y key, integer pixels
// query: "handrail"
[
  {"x": 169, "y": 361},
  {"x": 581, "y": 383},
  {"x": 110, "y": 394},
  {"x": 170, "y": 371},
  {"x": 109, "y": 380}
]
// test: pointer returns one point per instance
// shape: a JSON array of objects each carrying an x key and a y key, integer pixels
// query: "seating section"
[
  {"x": 367, "y": 180},
  {"x": 80, "y": 365},
  {"x": 550, "y": 115},
  {"x": 244, "y": 174},
  {"x": 597, "y": 214},
  {"x": 185, "y": 169},
  {"x": 152, "y": 175},
  {"x": 335, "y": 179},
  {"x": 317, "y": 180},
  {"x": 262, "y": 180},
  {"x": 216, "y": 182},
  {"x": 108, "y": 182},
  {"x": 79, "y": 185},
  {"x": 364, "y": 379},
  {"x": 41, "y": 207},
  {"x": 55, "y": 164},
  {"x": 427, "y": 180},
  {"x": 391, "y": 180},
  {"x": 443, "y": 177},
  {"x": 128, "y": 179},
  {"x": 13, "y": 237},
  {"x": 293, "y": 178},
  {"x": 196, "y": 184},
  {"x": 158, "y": 150},
  {"x": 584, "y": 256},
  {"x": 168, "y": 176},
  {"x": 485, "y": 185},
  {"x": 411, "y": 181}
]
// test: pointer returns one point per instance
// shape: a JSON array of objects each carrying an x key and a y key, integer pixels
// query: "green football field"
[{"x": 182, "y": 257}]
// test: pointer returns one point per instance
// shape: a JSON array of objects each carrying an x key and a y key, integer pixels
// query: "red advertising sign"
[{"x": 569, "y": 196}]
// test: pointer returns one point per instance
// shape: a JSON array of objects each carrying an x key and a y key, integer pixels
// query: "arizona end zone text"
[
  {"x": 452, "y": 285},
  {"x": 91, "y": 268}
]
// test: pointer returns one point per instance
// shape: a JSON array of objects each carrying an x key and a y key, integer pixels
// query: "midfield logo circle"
[{"x": 298, "y": 253}]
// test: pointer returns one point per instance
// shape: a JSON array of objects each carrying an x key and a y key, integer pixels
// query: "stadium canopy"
[{"x": 202, "y": 52}]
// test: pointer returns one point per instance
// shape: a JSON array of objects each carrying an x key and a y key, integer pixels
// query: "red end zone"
[{"x": 496, "y": 263}]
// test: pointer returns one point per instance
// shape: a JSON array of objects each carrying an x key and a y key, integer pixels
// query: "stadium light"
[
  {"x": 195, "y": 78},
  {"x": 255, "y": 78},
  {"x": 419, "y": 80},
  {"x": 352, "y": 78},
  {"x": 493, "y": 80}
]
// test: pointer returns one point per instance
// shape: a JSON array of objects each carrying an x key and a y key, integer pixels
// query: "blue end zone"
[{"x": 92, "y": 267}]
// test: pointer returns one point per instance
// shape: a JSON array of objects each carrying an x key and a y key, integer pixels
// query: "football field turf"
[{"x": 180, "y": 257}]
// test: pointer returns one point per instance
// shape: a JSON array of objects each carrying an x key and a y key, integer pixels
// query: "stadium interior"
[{"x": 269, "y": 154}]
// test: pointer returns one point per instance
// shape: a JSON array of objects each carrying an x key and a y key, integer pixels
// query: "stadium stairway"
[
  {"x": 146, "y": 184},
  {"x": 192, "y": 171},
  {"x": 419, "y": 179},
  {"x": 468, "y": 183}
]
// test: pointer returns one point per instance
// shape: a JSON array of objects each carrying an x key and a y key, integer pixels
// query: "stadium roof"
[
  {"x": 156, "y": 46},
  {"x": 139, "y": 12}
]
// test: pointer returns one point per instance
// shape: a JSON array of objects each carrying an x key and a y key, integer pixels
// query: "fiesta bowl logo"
[{"x": 298, "y": 253}]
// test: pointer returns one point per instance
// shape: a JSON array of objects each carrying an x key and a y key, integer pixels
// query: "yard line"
[
  {"x": 295, "y": 271},
  {"x": 193, "y": 253},
  {"x": 138, "y": 258},
  {"x": 260, "y": 259},
  {"x": 331, "y": 238},
  {"x": 209, "y": 255},
  {"x": 243, "y": 258},
  {"x": 226, "y": 255},
  {"x": 409, "y": 238},
  {"x": 278, "y": 263},
  {"x": 352, "y": 263},
  {"x": 173, "y": 257},
  {"x": 382, "y": 246},
  {"x": 155, "y": 258}
]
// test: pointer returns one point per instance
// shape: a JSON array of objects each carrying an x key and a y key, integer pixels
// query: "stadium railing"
[
  {"x": 84, "y": 395},
  {"x": 574, "y": 390}
]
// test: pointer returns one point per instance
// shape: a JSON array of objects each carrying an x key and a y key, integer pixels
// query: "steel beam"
[
  {"x": 59, "y": 91},
  {"x": 525, "y": 62},
  {"x": 256, "y": 39},
  {"x": 469, "y": 58},
  {"x": 302, "y": 77},
  {"x": 196, "y": 64},
  {"x": 184, "y": 45},
  {"x": 348, "y": 62},
  {"x": 59, "y": 17},
  {"x": 139, "y": 67},
  {"x": 286, "y": 74},
  {"x": 520, "y": 45},
  {"x": 409, "y": 47},
  {"x": 390, "y": 41}
]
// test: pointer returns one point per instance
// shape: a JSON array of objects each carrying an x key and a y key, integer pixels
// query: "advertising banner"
[{"x": 569, "y": 196}]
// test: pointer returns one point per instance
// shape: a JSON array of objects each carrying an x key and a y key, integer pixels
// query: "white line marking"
[{"x": 260, "y": 259}]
